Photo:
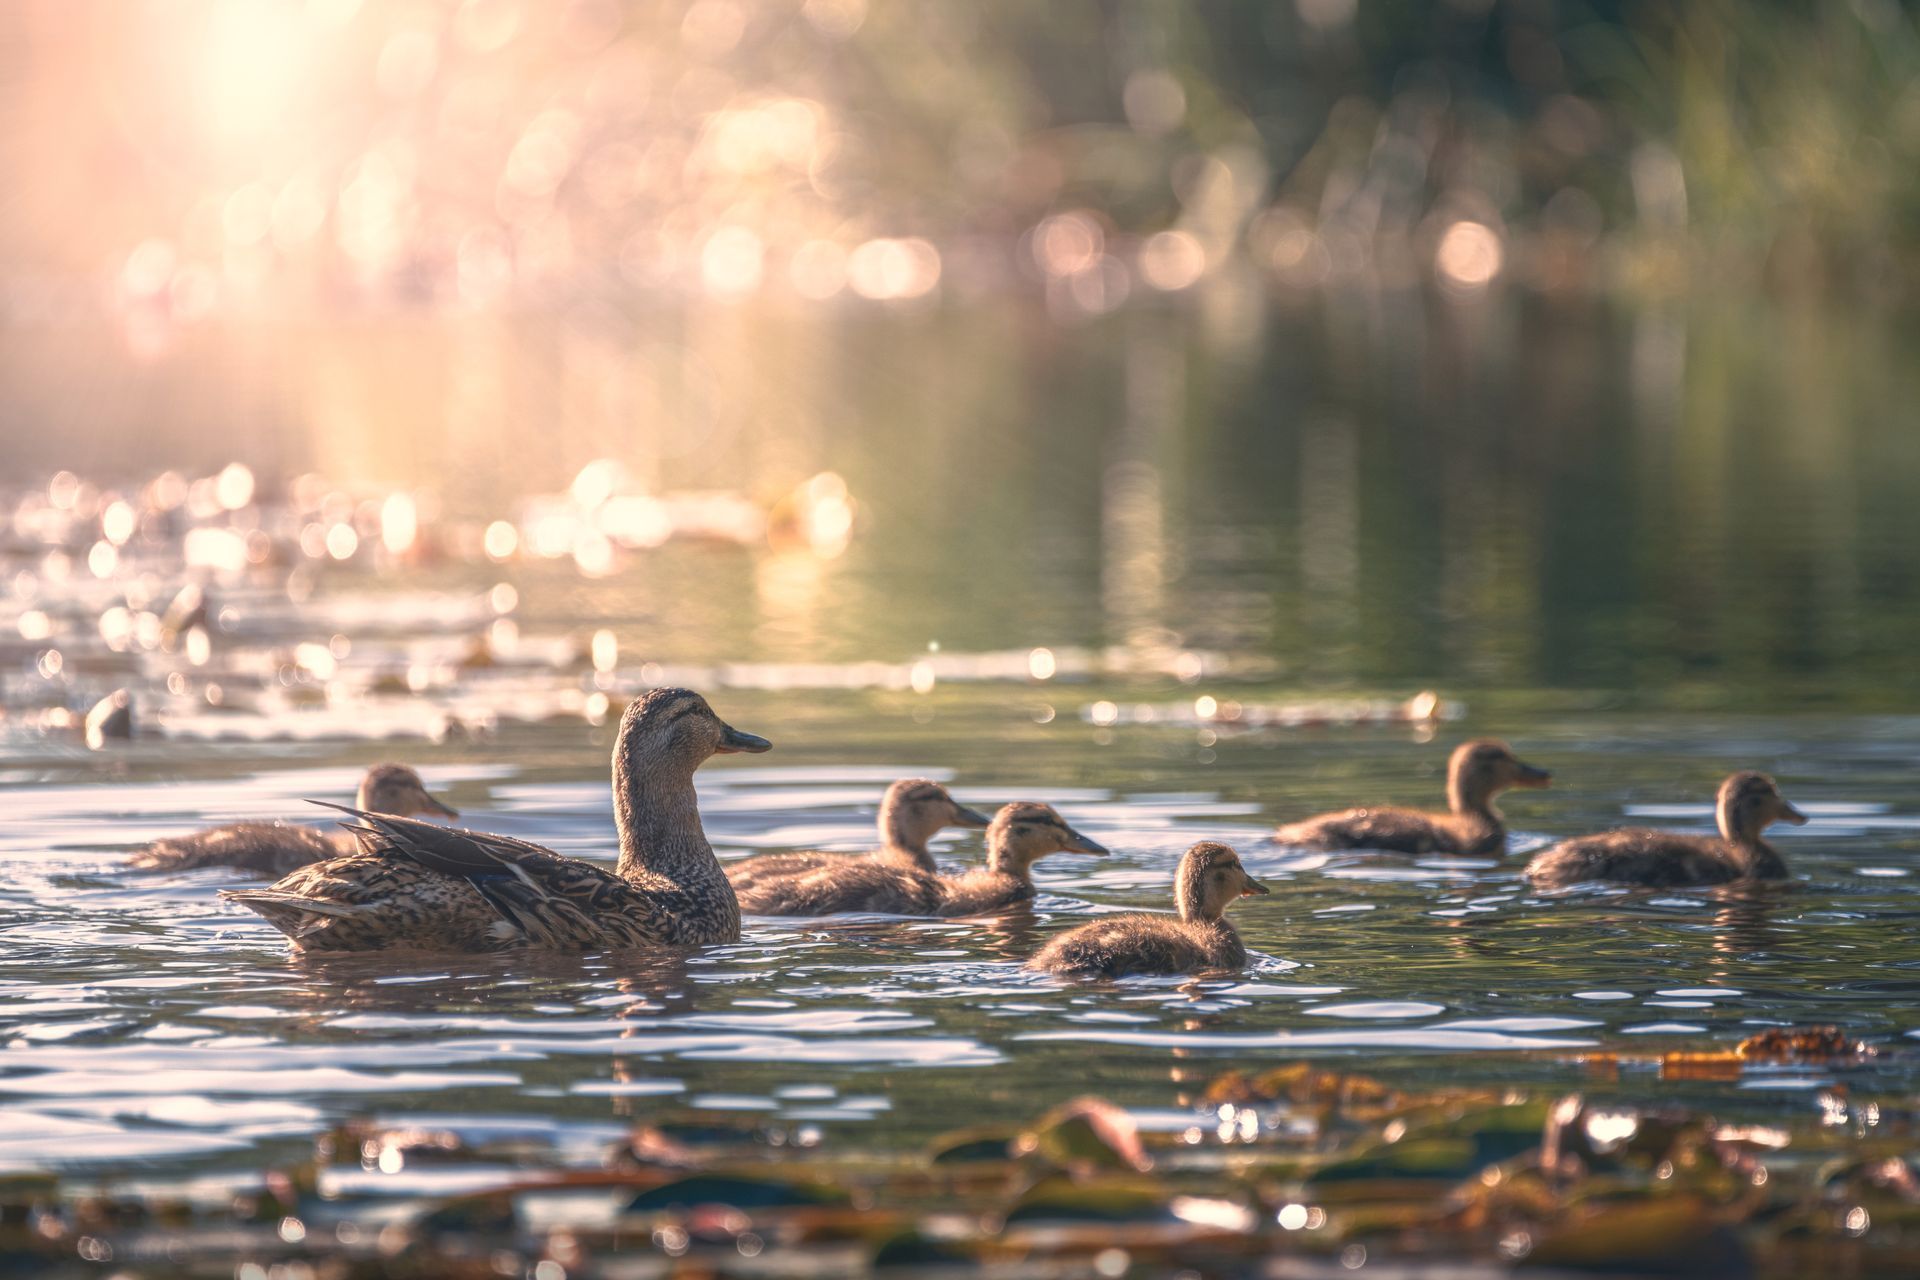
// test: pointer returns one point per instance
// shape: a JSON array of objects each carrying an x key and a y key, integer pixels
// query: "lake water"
[{"x": 1647, "y": 550}]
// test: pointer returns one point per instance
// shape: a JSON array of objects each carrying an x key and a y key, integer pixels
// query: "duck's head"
[
  {"x": 1024, "y": 832},
  {"x": 915, "y": 809},
  {"x": 1749, "y": 803},
  {"x": 674, "y": 730},
  {"x": 1210, "y": 879},
  {"x": 1481, "y": 769},
  {"x": 396, "y": 789}
]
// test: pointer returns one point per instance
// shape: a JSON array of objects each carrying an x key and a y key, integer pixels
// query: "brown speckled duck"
[
  {"x": 912, "y": 812},
  {"x": 1747, "y": 805},
  {"x": 1020, "y": 835},
  {"x": 275, "y": 848},
  {"x": 1476, "y": 773},
  {"x": 1209, "y": 879},
  {"x": 418, "y": 886}
]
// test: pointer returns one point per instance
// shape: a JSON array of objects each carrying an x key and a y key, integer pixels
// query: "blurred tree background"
[{"x": 210, "y": 155}]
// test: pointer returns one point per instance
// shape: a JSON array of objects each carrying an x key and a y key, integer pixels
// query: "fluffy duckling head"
[
  {"x": 1749, "y": 803},
  {"x": 914, "y": 810},
  {"x": 1481, "y": 769},
  {"x": 1022, "y": 833},
  {"x": 396, "y": 789},
  {"x": 1210, "y": 879},
  {"x": 674, "y": 731}
]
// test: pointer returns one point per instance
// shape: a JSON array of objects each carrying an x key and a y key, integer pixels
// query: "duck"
[
  {"x": 275, "y": 848},
  {"x": 1747, "y": 804},
  {"x": 1020, "y": 835},
  {"x": 1198, "y": 939},
  {"x": 912, "y": 812},
  {"x": 1477, "y": 771},
  {"x": 417, "y": 886}
]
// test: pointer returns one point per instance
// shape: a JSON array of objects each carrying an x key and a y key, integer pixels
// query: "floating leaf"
[
  {"x": 1112, "y": 1199},
  {"x": 1087, "y": 1134},
  {"x": 912, "y": 1250},
  {"x": 739, "y": 1192},
  {"x": 1802, "y": 1044},
  {"x": 1671, "y": 1235},
  {"x": 969, "y": 1146}
]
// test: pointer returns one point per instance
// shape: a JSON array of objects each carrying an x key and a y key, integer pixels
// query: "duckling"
[
  {"x": 275, "y": 848},
  {"x": 1209, "y": 879},
  {"x": 912, "y": 812},
  {"x": 1021, "y": 834},
  {"x": 1747, "y": 804},
  {"x": 1476, "y": 773},
  {"x": 416, "y": 885}
]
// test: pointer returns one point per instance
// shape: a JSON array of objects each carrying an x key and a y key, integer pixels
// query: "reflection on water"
[{"x": 1509, "y": 493}]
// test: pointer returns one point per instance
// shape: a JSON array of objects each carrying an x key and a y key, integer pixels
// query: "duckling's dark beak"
[
  {"x": 733, "y": 740},
  {"x": 1790, "y": 814},
  {"x": 965, "y": 817},
  {"x": 1077, "y": 843},
  {"x": 430, "y": 803},
  {"x": 1254, "y": 887},
  {"x": 1525, "y": 775}
]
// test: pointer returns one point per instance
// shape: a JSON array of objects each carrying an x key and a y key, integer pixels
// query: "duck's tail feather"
[{"x": 290, "y": 913}]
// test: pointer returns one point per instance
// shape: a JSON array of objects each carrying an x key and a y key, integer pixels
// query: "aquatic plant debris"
[{"x": 1301, "y": 1161}]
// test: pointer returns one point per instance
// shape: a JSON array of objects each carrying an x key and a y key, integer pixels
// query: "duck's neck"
[
  {"x": 1762, "y": 861},
  {"x": 1471, "y": 803},
  {"x": 1755, "y": 857},
  {"x": 658, "y": 818},
  {"x": 1192, "y": 905},
  {"x": 1224, "y": 945},
  {"x": 897, "y": 835},
  {"x": 1002, "y": 862}
]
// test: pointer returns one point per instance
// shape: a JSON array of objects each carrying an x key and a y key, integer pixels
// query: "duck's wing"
[
  {"x": 849, "y": 885},
  {"x": 748, "y": 872},
  {"x": 264, "y": 848},
  {"x": 979, "y": 892},
  {"x": 1392, "y": 830},
  {"x": 1120, "y": 946},
  {"x": 1633, "y": 855},
  {"x": 554, "y": 900},
  {"x": 363, "y": 902}
]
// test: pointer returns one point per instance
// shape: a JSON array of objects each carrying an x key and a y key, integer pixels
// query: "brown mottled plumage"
[
  {"x": 912, "y": 812},
  {"x": 1747, "y": 804},
  {"x": 1476, "y": 773},
  {"x": 1020, "y": 835},
  {"x": 1209, "y": 879},
  {"x": 275, "y": 848},
  {"x": 415, "y": 885}
]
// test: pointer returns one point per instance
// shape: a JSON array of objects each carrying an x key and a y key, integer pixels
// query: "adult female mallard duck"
[
  {"x": 912, "y": 812},
  {"x": 1747, "y": 805},
  {"x": 1019, "y": 836},
  {"x": 1209, "y": 879},
  {"x": 275, "y": 848},
  {"x": 415, "y": 885},
  {"x": 1476, "y": 773}
]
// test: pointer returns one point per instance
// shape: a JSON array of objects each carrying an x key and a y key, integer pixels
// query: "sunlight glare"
[{"x": 253, "y": 57}]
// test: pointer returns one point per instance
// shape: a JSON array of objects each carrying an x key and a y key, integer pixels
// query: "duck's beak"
[
  {"x": 430, "y": 803},
  {"x": 965, "y": 817},
  {"x": 1790, "y": 814},
  {"x": 1525, "y": 775},
  {"x": 1077, "y": 843},
  {"x": 1254, "y": 887},
  {"x": 733, "y": 740}
]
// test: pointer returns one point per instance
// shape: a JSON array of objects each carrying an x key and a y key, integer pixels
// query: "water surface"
[{"x": 1184, "y": 574}]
